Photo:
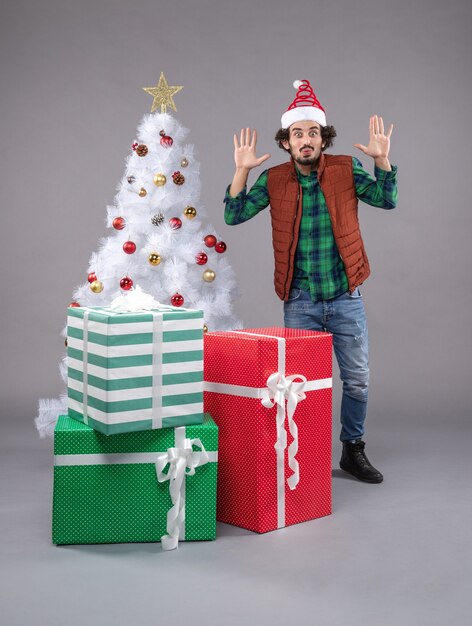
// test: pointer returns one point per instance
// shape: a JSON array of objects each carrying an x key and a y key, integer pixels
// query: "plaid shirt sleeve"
[
  {"x": 246, "y": 205},
  {"x": 380, "y": 191}
]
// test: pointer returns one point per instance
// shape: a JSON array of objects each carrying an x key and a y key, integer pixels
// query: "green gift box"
[
  {"x": 135, "y": 371},
  {"x": 134, "y": 487}
]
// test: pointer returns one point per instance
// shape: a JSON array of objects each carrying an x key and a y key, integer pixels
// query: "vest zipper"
[{"x": 293, "y": 237}]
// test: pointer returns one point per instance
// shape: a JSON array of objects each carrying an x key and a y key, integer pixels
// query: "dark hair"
[{"x": 328, "y": 133}]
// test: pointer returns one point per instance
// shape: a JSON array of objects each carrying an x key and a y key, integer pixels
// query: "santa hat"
[{"x": 304, "y": 107}]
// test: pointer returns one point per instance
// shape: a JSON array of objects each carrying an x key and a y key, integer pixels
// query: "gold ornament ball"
[
  {"x": 154, "y": 258},
  {"x": 96, "y": 286},
  {"x": 209, "y": 276},
  {"x": 184, "y": 162},
  {"x": 190, "y": 212},
  {"x": 142, "y": 192},
  {"x": 205, "y": 328},
  {"x": 159, "y": 180}
]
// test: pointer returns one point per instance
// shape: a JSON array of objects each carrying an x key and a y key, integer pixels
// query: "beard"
[
  {"x": 305, "y": 160},
  {"x": 308, "y": 160}
]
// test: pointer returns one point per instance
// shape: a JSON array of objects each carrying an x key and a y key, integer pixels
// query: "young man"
[{"x": 320, "y": 259}]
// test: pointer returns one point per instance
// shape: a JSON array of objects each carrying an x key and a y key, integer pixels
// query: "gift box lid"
[
  {"x": 73, "y": 437},
  {"x": 248, "y": 357},
  {"x": 106, "y": 315}
]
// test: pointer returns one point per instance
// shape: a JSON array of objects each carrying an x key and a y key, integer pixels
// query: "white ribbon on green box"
[
  {"x": 282, "y": 391},
  {"x": 135, "y": 370},
  {"x": 182, "y": 461}
]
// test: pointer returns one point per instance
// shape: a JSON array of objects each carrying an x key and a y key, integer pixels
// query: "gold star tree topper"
[{"x": 162, "y": 94}]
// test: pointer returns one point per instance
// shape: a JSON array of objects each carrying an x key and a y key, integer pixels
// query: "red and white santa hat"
[{"x": 305, "y": 106}]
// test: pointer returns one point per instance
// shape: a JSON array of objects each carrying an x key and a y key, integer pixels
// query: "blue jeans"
[{"x": 345, "y": 318}]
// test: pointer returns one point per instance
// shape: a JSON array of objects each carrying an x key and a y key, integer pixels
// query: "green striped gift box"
[
  {"x": 135, "y": 371},
  {"x": 106, "y": 489}
]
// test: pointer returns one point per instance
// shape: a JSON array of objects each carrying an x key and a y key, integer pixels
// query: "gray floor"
[{"x": 391, "y": 554}]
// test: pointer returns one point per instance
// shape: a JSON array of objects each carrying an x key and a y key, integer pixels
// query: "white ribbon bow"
[
  {"x": 182, "y": 462},
  {"x": 281, "y": 388},
  {"x": 134, "y": 301}
]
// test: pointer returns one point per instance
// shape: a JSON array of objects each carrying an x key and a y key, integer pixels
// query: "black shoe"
[{"x": 354, "y": 461}]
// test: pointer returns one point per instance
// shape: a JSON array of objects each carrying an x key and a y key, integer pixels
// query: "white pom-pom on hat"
[{"x": 297, "y": 83}]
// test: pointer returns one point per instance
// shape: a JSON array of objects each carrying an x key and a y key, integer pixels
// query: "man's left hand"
[{"x": 379, "y": 142}]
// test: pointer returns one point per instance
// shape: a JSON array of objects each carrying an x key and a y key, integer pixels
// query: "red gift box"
[{"x": 269, "y": 390}]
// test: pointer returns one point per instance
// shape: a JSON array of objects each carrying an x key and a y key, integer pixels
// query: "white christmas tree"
[{"x": 158, "y": 241}]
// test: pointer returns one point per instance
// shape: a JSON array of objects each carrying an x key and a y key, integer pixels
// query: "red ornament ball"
[
  {"x": 129, "y": 247},
  {"x": 119, "y": 223},
  {"x": 166, "y": 141},
  {"x": 175, "y": 223},
  {"x": 74, "y": 304},
  {"x": 201, "y": 258},
  {"x": 210, "y": 241},
  {"x": 92, "y": 277},
  {"x": 177, "y": 299},
  {"x": 220, "y": 247},
  {"x": 126, "y": 283}
]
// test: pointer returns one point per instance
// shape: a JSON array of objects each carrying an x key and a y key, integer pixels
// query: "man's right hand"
[
  {"x": 245, "y": 151},
  {"x": 245, "y": 159}
]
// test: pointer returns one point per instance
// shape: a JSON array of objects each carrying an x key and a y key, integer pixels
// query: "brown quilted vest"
[{"x": 337, "y": 183}]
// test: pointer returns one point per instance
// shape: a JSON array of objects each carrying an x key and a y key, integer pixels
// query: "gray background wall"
[{"x": 71, "y": 100}]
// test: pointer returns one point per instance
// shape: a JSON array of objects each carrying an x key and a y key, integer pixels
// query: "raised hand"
[
  {"x": 245, "y": 150},
  {"x": 379, "y": 142}
]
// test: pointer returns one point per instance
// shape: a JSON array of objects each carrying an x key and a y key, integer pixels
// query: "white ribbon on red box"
[{"x": 280, "y": 390}]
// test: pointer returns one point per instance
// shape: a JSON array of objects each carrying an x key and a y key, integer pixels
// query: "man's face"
[{"x": 304, "y": 142}]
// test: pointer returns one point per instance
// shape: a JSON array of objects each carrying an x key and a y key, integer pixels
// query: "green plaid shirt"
[{"x": 318, "y": 266}]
